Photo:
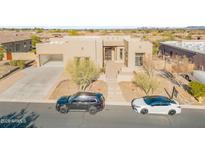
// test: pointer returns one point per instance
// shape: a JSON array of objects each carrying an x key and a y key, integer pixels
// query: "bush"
[
  {"x": 2, "y": 50},
  {"x": 19, "y": 63},
  {"x": 73, "y": 32},
  {"x": 146, "y": 83},
  {"x": 1, "y": 55},
  {"x": 197, "y": 89},
  {"x": 35, "y": 40},
  {"x": 13, "y": 62},
  {"x": 83, "y": 72}
]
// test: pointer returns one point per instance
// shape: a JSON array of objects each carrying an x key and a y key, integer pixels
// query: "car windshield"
[{"x": 150, "y": 100}]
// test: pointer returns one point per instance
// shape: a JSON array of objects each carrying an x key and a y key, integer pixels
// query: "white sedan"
[{"x": 156, "y": 105}]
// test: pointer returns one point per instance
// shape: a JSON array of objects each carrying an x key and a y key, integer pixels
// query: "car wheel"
[
  {"x": 93, "y": 110},
  {"x": 63, "y": 109},
  {"x": 172, "y": 112},
  {"x": 144, "y": 111}
]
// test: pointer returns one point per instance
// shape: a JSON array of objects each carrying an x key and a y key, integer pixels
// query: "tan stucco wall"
[
  {"x": 85, "y": 48},
  {"x": 138, "y": 46},
  {"x": 23, "y": 56},
  {"x": 74, "y": 48},
  {"x": 93, "y": 47}
]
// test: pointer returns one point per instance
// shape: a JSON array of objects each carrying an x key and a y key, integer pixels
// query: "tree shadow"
[
  {"x": 169, "y": 76},
  {"x": 21, "y": 119}
]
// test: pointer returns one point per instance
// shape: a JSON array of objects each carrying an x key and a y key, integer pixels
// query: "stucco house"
[
  {"x": 127, "y": 51},
  {"x": 15, "y": 43},
  {"x": 192, "y": 49}
]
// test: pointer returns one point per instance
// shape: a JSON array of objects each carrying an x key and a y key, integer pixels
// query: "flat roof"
[
  {"x": 194, "y": 46},
  {"x": 106, "y": 38}
]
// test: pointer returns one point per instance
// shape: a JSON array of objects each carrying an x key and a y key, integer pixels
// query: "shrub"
[
  {"x": 73, "y": 32},
  {"x": 35, "y": 40},
  {"x": 2, "y": 50},
  {"x": 21, "y": 64},
  {"x": 83, "y": 72},
  {"x": 1, "y": 55},
  {"x": 197, "y": 89},
  {"x": 146, "y": 83},
  {"x": 13, "y": 62}
]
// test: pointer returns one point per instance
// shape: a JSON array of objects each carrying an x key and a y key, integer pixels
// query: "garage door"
[{"x": 51, "y": 60}]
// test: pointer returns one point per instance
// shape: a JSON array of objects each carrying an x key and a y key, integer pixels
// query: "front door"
[
  {"x": 108, "y": 54},
  {"x": 9, "y": 56}
]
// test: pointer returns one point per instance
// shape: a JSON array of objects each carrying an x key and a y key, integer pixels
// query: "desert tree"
[
  {"x": 83, "y": 72},
  {"x": 147, "y": 80},
  {"x": 35, "y": 39}
]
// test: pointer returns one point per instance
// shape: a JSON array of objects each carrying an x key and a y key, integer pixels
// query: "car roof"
[
  {"x": 87, "y": 94},
  {"x": 156, "y": 98}
]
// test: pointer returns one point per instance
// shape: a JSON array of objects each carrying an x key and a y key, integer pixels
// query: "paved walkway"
[
  {"x": 35, "y": 84},
  {"x": 114, "y": 92}
]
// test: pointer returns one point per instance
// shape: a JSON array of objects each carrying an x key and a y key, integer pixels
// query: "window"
[
  {"x": 17, "y": 47},
  {"x": 156, "y": 103},
  {"x": 139, "y": 59},
  {"x": 165, "y": 103},
  {"x": 93, "y": 100},
  {"x": 201, "y": 67},
  {"x": 24, "y": 45},
  {"x": 76, "y": 99},
  {"x": 121, "y": 54}
]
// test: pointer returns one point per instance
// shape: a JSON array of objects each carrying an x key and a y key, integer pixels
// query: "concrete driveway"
[{"x": 35, "y": 85}]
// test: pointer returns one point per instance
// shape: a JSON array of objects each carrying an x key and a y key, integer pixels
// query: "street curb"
[
  {"x": 108, "y": 103},
  {"x": 28, "y": 101},
  {"x": 118, "y": 103},
  {"x": 193, "y": 106}
]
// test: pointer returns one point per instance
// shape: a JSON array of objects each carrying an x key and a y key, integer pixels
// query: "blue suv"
[{"x": 88, "y": 101}]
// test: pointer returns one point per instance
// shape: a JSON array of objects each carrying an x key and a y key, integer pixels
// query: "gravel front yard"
[
  {"x": 67, "y": 87},
  {"x": 130, "y": 91}
]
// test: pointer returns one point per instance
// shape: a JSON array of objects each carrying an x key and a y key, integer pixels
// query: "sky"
[{"x": 102, "y": 13}]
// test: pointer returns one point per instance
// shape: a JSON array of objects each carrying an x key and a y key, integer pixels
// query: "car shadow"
[{"x": 21, "y": 119}]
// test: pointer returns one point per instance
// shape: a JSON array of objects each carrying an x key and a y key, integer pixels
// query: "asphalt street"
[{"x": 44, "y": 115}]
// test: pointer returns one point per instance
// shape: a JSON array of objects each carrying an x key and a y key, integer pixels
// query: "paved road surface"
[
  {"x": 34, "y": 85},
  {"x": 45, "y": 115}
]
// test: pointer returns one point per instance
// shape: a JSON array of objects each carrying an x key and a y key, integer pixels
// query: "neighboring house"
[
  {"x": 45, "y": 36},
  {"x": 14, "y": 43},
  {"x": 194, "y": 50},
  {"x": 130, "y": 52}
]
